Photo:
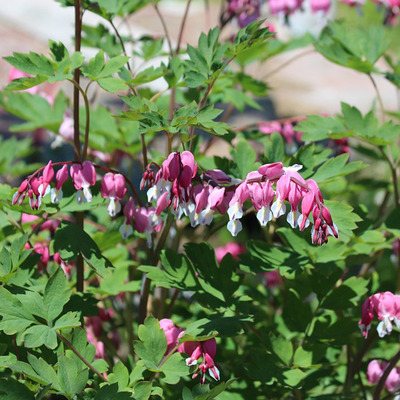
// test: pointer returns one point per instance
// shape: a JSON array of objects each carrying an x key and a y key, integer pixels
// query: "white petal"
[
  {"x": 278, "y": 208},
  {"x": 217, "y": 375},
  {"x": 190, "y": 363},
  {"x": 292, "y": 218},
  {"x": 114, "y": 207},
  {"x": 264, "y": 215},
  {"x": 295, "y": 168},
  {"x": 206, "y": 217},
  {"x": 125, "y": 230},
  {"x": 80, "y": 198},
  {"x": 234, "y": 227},
  {"x": 87, "y": 193},
  {"x": 14, "y": 196},
  {"x": 152, "y": 194},
  {"x": 235, "y": 211},
  {"x": 300, "y": 220}
]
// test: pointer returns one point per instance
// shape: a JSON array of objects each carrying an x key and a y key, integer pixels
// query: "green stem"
[
  {"x": 205, "y": 97},
  {"x": 78, "y": 33},
  {"x": 79, "y": 355},
  {"x": 164, "y": 25},
  {"x": 183, "y": 26}
]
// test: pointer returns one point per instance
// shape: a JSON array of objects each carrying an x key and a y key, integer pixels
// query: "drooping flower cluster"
[
  {"x": 285, "y": 8},
  {"x": 112, "y": 187},
  {"x": 245, "y": 11},
  {"x": 206, "y": 350},
  {"x": 386, "y": 307},
  {"x": 177, "y": 184},
  {"x": 375, "y": 371},
  {"x": 293, "y": 137}
]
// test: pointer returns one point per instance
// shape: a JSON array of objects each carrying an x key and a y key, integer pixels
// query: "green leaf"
[
  {"x": 15, "y": 317},
  {"x": 283, "y": 348},
  {"x": 120, "y": 375},
  {"x": 245, "y": 158},
  {"x": 113, "y": 66},
  {"x": 317, "y": 128},
  {"x": 26, "y": 83},
  {"x": 218, "y": 283},
  {"x": 112, "y": 85},
  {"x": 142, "y": 390},
  {"x": 302, "y": 358},
  {"x": 174, "y": 369},
  {"x": 178, "y": 272},
  {"x": 94, "y": 66},
  {"x": 215, "y": 391},
  {"x": 56, "y": 295},
  {"x": 344, "y": 217},
  {"x": 336, "y": 167},
  {"x": 293, "y": 377},
  {"x": 45, "y": 371},
  {"x": 11, "y": 389},
  {"x": 72, "y": 378},
  {"x": 34, "y": 109},
  {"x": 275, "y": 148},
  {"x": 345, "y": 295},
  {"x": 67, "y": 321},
  {"x": 37, "y": 335},
  {"x": 31, "y": 63},
  {"x": 110, "y": 392},
  {"x": 153, "y": 343},
  {"x": 70, "y": 240}
]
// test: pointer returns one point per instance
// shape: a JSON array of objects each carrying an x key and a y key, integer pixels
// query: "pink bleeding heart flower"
[
  {"x": 67, "y": 268},
  {"x": 320, "y": 5},
  {"x": 272, "y": 278},
  {"x": 232, "y": 248},
  {"x": 35, "y": 199},
  {"x": 20, "y": 193},
  {"x": 113, "y": 187},
  {"x": 47, "y": 177},
  {"x": 207, "y": 350},
  {"x": 235, "y": 210},
  {"x": 189, "y": 169},
  {"x": 129, "y": 212},
  {"x": 172, "y": 333},
  {"x": 43, "y": 250},
  {"x": 147, "y": 221},
  {"x": 374, "y": 371},
  {"x": 267, "y": 128},
  {"x": 83, "y": 176},
  {"x": 56, "y": 193},
  {"x": 392, "y": 383},
  {"x": 386, "y": 306}
]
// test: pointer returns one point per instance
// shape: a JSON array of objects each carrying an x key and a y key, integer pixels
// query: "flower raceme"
[
  {"x": 177, "y": 185},
  {"x": 386, "y": 307},
  {"x": 375, "y": 371},
  {"x": 206, "y": 350}
]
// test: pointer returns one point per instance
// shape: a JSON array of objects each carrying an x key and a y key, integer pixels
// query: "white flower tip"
[
  {"x": 214, "y": 373},
  {"x": 190, "y": 362},
  {"x": 125, "y": 230},
  {"x": 234, "y": 227}
]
